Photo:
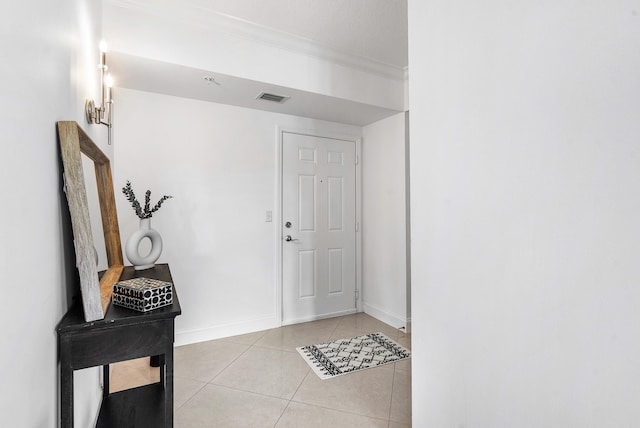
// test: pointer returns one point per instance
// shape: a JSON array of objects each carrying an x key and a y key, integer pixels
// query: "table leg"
[
  {"x": 161, "y": 362},
  {"x": 168, "y": 389},
  {"x": 66, "y": 396},
  {"x": 105, "y": 380}
]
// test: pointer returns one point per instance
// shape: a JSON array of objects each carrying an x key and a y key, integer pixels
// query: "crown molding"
[{"x": 203, "y": 17}]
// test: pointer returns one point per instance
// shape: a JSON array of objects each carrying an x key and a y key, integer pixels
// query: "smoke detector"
[{"x": 210, "y": 80}]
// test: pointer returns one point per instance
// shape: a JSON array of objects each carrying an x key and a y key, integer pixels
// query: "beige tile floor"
[{"x": 259, "y": 380}]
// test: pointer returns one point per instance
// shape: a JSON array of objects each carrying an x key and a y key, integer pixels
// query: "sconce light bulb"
[
  {"x": 103, "y": 46},
  {"x": 108, "y": 81}
]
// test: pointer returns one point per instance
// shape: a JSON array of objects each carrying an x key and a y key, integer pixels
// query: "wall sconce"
[{"x": 101, "y": 115}]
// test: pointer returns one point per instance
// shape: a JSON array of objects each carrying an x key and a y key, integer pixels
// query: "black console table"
[{"x": 123, "y": 334}]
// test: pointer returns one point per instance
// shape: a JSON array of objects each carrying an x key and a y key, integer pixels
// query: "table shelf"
[{"x": 141, "y": 407}]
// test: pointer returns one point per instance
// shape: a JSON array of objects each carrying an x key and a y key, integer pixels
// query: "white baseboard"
[
  {"x": 251, "y": 326},
  {"x": 393, "y": 320},
  {"x": 225, "y": 330},
  {"x": 319, "y": 317}
]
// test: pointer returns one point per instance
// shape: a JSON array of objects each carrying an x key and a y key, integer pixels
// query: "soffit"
[{"x": 153, "y": 76}]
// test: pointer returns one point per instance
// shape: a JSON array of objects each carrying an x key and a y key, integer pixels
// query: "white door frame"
[{"x": 278, "y": 210}]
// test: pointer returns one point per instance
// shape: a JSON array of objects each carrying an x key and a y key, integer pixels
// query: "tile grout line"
[
  {"x": 228, "y": 365},
  {"x": 188, "y": 399},
  {"x": 333, "y": 409},
  {"x": 393, "y": 381},
  {"x": 282, "y": 414},
  {"x": 233, "y": 388}
]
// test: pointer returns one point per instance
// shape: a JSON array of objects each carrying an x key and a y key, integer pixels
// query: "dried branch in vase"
[{"x": 147, "y": 211}]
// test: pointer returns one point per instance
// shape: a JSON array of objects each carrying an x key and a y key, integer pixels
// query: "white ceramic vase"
[{"x": 132, "y": 247}]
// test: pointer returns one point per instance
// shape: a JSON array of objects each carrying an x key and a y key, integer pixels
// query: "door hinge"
[
  {"x": 357, "y": 226},
  {"x": 357, "y": 159},
  {"x": 357, "y": 293}
]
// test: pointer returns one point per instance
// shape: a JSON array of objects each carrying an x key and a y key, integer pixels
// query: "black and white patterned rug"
[{"x": 348, "y": 355}]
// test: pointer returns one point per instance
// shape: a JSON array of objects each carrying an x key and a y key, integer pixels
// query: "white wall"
[
  {"x": 525, "y": 176},
  {"x": 44, "y": 76},
  {"x": 219, "y": 163},
  {"x": 384, "y": 221}
]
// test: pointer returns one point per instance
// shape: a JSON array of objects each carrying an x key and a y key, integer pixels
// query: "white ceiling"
[{"x": 373, "y": 30}]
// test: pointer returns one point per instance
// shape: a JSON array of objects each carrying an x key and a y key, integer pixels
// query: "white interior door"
[{"x": 318, "y": 230}]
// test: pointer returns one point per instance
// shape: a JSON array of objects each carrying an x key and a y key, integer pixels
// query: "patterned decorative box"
[{"x": 142, "y": 294}]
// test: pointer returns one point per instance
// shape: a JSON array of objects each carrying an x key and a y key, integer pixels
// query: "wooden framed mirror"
[{"x": 96, "y": 292}]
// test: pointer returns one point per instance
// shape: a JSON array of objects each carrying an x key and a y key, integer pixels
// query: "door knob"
[{"x": 288, "y": 238}]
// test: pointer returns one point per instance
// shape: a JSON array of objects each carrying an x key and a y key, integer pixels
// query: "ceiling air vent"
[{"x": 272, "y": 97}]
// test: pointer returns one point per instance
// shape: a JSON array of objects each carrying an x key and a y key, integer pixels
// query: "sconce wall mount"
[{"x": 101, "y": 115}]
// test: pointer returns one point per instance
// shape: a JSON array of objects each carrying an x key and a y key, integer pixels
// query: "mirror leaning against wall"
[{"x": 74, "y": 145}]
